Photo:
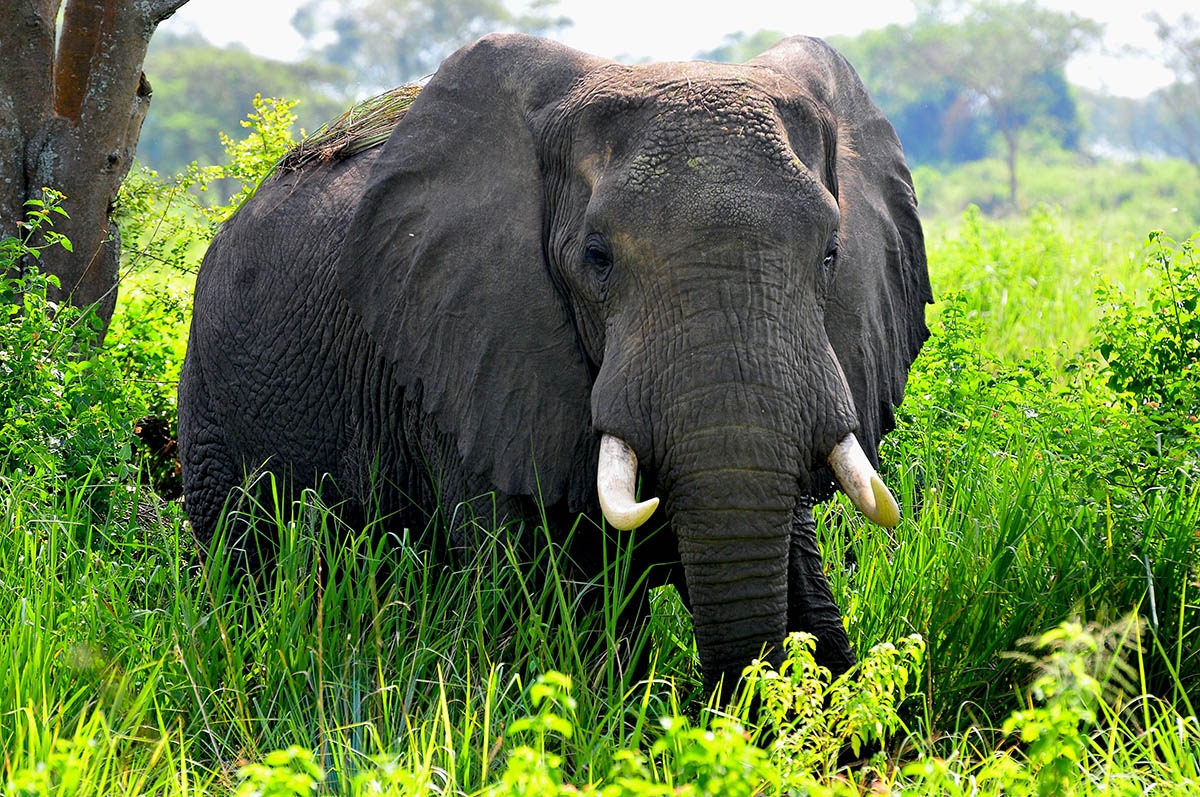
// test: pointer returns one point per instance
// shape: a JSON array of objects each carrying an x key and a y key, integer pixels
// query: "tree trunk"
[
  {"x": 70, "y": 120},
  {"x": 1011, "y": 142}
]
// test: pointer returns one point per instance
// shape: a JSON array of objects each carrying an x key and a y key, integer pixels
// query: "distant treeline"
[{"x": 987, "y": 80}]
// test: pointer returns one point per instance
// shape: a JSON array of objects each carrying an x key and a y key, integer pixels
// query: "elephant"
[{"x": 561, "y": 277}]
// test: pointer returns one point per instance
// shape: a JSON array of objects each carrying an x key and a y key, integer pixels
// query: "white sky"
[{"x": 635, "y": 29}]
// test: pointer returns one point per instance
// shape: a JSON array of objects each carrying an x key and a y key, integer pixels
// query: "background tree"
[
  {"x": 1180, "y": 101},
  {"x": 72, "y": 100},
  {"x": 389, "y": 42},
  {"x": 938, "y": 120},
  {"x": 202, "y": 90},
  {"x": 1011, "y": 57}
]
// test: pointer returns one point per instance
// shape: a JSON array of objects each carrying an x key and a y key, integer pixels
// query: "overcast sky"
[{"x": 635, "y": 29}]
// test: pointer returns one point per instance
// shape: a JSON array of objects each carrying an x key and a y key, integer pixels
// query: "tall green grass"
[
  {"x": 135, "y": 669},
  {"x": 1112, "y": 200},
  {"x": 1030, "y": 282}
]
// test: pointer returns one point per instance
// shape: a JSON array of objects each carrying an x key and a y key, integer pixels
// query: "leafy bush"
[
  {"x": 62, "y": 411},
  {"x": 1152, "y": 348},
  {"x": 146, "y": 342},
  {"x": 1062, "y": 485},
  {"x": 172, "y": 220},
  {"x": 783, "y": 737},
  {"x": 1092, "y": 416}
]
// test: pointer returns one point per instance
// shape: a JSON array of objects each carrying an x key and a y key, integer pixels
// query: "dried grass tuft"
[{"x": 366, "y": 125}]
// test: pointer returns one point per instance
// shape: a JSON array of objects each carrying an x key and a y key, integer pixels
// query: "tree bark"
[
  {"x": 70, "y": 120},
  {"x": 1011, "y": 145},
  {"x": 27, "y": 40}
]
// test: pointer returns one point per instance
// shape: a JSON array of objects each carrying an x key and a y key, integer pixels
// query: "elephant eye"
[
  {"x": 831, "y": 252},
  {"x": 597, "y": 256}
]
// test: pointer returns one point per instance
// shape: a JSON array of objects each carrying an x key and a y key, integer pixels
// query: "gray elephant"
[{"x": 560, "y": 276}]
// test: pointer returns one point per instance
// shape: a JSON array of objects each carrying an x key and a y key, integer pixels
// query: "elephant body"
[{"x": 716, "y": 269}]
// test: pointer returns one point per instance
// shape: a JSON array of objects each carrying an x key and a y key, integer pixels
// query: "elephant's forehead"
[
  {"x": 726, "y": 98},
  {"x": 710, "y": 121}
]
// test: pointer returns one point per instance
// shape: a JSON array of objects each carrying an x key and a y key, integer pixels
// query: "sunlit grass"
[{"x": 138, "y": 670}]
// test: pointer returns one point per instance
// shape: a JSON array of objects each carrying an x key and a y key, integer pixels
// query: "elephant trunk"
[
  {"x": 731, "y": 490},
  {"x": 732, "y": 517}
]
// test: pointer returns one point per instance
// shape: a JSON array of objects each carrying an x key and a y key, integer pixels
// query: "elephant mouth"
[{"x": 616, "y": 482}]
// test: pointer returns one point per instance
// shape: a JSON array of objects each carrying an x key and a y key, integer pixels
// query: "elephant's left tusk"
[
  {"x": 862, "y": 484},
  {"x": 616, "y": 478}
]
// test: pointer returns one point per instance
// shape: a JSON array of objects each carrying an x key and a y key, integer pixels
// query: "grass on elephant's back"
[{"x": 368, "y": 124}]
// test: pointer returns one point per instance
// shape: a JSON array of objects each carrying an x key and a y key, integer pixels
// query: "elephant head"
[{"x": 706, "y": 275}]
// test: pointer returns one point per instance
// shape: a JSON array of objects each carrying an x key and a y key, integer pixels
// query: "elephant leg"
[
  {"x": 218, "y": 493},
  {"x": 811, "y": 607}
]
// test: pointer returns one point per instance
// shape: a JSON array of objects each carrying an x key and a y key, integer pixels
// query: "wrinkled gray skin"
[{"x": 722, "y": 265}]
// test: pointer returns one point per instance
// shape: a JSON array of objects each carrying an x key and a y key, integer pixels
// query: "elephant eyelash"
[
  {"x": 831, "y": 253},
  {"x": 597, "y": 256}
]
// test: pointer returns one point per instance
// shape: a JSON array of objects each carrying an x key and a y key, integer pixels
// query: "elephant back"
[{"x": 273, "y": 343}]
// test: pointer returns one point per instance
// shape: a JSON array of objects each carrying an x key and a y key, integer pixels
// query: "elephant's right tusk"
[
  {"x": 862, "y": 484},
  {"x": 616, "y": 478}
]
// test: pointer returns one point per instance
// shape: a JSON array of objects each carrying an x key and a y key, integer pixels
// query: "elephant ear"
[
  {"x": 444, "y": 263},
  {"x": 875, "y": 314}
]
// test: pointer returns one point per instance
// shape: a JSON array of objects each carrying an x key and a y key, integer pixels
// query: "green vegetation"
[
  {"x": 201, "y": 89},
  {"x": 1030, "y": 626},
  {"x": 1113, "y": 202}
]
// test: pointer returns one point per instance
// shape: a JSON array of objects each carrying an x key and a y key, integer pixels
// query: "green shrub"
[
  {"x": 147, "y": 342},
  {"x": 62, "y": 413},
  {"x": 169, "y": 222},
  {"x": 1044, "y": 485},
  {"x": 783, "y": 737},
  {"x": 1152, "y": 348}
]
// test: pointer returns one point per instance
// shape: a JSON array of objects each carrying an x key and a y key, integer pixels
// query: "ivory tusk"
[
  {"x": 862, "y": 484},
  {"x": 616, "y": 479}
]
